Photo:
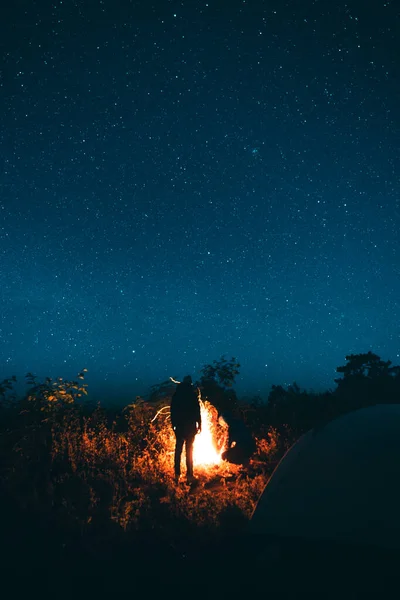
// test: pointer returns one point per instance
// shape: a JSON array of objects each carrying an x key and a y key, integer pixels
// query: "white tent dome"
[{"x": 339, "y": 483}]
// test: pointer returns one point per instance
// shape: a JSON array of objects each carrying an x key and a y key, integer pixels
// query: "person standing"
[{"x": 186, "y": 423}]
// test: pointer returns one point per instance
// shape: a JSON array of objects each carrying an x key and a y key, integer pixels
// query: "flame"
[{"x": 205, "y": 452}]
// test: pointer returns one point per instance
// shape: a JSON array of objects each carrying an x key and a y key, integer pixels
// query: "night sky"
[{"x": 185, "y": 180}]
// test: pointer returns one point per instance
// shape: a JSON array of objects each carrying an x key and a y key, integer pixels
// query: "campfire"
[
  {"x": 205, "y": 450},
  {"x": 209, "y": 444}
]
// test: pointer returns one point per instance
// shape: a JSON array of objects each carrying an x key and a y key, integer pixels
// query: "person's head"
[{"x": 187, "y": 380}]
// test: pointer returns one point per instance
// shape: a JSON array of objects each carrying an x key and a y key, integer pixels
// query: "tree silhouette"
[
  {"x": 222, "y": 371},
  {"x": 216, "y": 383},
  {"x": 367, "y": 365},
  {"x": 367, "y": 380}
]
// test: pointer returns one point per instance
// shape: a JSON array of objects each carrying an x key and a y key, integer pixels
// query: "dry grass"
[{"x": 88, "y": 476}]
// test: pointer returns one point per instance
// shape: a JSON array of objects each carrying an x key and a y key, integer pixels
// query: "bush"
[{"x": 88, "y": 479}]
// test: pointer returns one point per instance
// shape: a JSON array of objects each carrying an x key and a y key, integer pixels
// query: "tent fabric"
[{"x": 339, "y": 483}]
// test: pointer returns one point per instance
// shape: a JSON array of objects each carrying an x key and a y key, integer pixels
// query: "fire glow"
[{"x": 205, "y": 452}]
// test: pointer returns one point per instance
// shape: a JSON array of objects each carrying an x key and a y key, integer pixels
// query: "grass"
[
  {"x": 88, "y": 501},
  {"x": 77, "y": 481}
]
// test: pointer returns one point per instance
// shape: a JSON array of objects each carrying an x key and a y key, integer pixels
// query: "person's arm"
[
  {"x": 198, "y": 418},
  {"x": 173, "y": 412}
]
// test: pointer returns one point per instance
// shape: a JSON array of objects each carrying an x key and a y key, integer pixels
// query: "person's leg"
[
  {"x": 178, "y": 452},
  {"x": 189, "y": 454}
]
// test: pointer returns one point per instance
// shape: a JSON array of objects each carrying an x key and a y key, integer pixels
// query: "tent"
[{"x": 339, "y": 483}]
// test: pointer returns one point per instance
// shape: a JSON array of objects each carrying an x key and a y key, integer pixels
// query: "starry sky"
[{"x": 183, "y": 180}]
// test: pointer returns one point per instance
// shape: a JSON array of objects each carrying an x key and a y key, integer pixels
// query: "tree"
[
  {"x": 367, "y": 365},
  {"x": 367, "y": 379},
  {"x": 216, "y": 383},
  {"x": 222, "y": 371}
]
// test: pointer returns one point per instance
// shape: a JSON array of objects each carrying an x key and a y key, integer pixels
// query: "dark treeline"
[
  {"x": 82, "y": 483},
  {"x": 364, "y": 380}
]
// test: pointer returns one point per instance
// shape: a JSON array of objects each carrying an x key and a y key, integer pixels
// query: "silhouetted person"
[
  {"x": 186, "y": 422},
  {"x": 241, "y": 444}
]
